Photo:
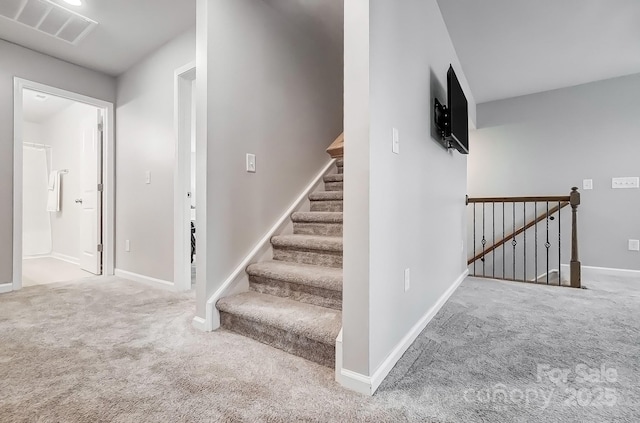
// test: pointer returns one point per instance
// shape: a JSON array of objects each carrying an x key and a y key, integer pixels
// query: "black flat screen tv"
[{"x": 458, "y": 137}]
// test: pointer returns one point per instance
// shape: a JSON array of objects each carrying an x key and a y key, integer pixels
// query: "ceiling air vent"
[{"x": 48, "y": 17}]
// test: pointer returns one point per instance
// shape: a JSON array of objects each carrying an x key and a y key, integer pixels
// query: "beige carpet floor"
[
  {"x": 46, "y": 270},
  {"x": 109, "y": 350}
]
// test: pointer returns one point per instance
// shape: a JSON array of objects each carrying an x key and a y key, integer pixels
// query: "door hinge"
[
  {"x": 99, "y": 248},
  {"x": 100, "y": 187},
  {"x": 100, "y": 127}
]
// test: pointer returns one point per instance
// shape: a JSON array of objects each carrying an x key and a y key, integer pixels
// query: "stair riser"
[
  {"x": 340, "y": 170},
  {"x": 328, "y": 206},
  {"x": 334, "y": 186},
  {"x": 317, "y": 258},
  {"x": 324, "y": 229},
  {"x": 294, "y": 344},
  {"x": 303, "y": 293}
]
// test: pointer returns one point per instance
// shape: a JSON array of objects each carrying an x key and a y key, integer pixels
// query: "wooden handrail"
[
  {"x": 564, "y": 201},
  {"x": 557, "y": 198},
  {"x": 336, "y": 149}
]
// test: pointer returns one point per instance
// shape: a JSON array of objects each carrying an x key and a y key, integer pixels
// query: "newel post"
[{"x": 574, "y": 199}]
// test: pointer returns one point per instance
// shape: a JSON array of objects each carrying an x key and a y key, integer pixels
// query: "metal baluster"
[
  {"x": 546, "y": 244},
  {"x": 474, "y": 238},
  {"x": 535, "y": 211},
  {"x": 559, "y": 246},
  {"x": 503, "y": 247},
  {"x": 493, "y": 228},
  {"x": 484, "y": 241},
  {"x": 524, "y": 235},
  {"x": 513, "y": 241}
]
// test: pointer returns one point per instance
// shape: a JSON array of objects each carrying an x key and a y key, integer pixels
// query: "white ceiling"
[
  {"x": 514, "y": 47},
  {"x": 127, "y": 31},
  {"x": 37, "y": 111}
]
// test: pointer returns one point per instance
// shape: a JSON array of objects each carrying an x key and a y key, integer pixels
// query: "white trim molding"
[
  {"x": 369, "y": 384},
  {"x": 238, "y": 281},
  {"x": 594, "y": 272},
  {"x": 6, "y": 287},
  {"x": 66, "y": 258},
  {"x": 147, "y": 280},
  {"x": 183, "y": 96},
  {"x": 108, "y": 179}
]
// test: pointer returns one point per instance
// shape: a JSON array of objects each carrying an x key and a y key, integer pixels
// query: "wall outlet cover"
[
  {"x": 634, "y": 245},
  {"x": 587, "y": 184}
]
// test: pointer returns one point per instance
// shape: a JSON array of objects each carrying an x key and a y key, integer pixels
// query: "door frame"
[
  {"x": 108, "y": 172},
  {"x": 183, "y": 92}
]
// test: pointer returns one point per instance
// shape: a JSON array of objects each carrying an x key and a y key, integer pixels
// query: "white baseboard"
[
  {"x": 589, "y": 272},
  {"x": 238, "y": 281},
  {"x": 369, "y": 384},
  {"x": 200, "y": 324},
  {"x": 66, "y": 258},
  {"x": 158, "y": 283},
  {"x": 6, "y": 287}
]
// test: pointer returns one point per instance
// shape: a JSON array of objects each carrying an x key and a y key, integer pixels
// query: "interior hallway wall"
[
  {"x": 268, "y": 86},
  {"x": 543, "y": 144},
  {"x": 406, "y": 210},
  {"x": 145, "y": 142},
  {"x": 27, "y": 64}
]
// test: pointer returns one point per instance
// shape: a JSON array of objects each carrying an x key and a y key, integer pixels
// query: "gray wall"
[
  {"x": 267, "y": 87},
  {"x": 543, "y": 144},
  {"x": 410, "y": 207},
  {"x": 145, "y": 141},
  {"x": 27, "y": 64}
]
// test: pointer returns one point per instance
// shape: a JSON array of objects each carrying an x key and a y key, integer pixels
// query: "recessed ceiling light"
[{"x": 74, "y": 2}]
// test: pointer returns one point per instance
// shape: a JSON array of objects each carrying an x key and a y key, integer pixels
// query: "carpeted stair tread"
[
  {"x": 339, "y": 177},
  {"x": 317, "y": 276},
  {"x": 308, "y": 242},
  {"x": 326, "y": 196},
  {"x": 317, "y": 217},
  {"x": 340, "y": 162},
  {"x": 316, "y": 323}
]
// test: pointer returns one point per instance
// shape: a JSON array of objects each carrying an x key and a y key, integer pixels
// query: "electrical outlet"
[
  {"x": 251, "y": 163},
  {"x": 147, "y": 177},
  {"x": 587, "y": 184},
  {"x": 127, "y": 246},
  {"x": 627, "y": 182},
  {"x": 634, "y": 245},
  {"x": 395, "y": 143},
  {"x": 407, "y": 279}
]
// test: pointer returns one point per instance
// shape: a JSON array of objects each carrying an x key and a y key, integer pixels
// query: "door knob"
[{"x": 78, "y": 200}]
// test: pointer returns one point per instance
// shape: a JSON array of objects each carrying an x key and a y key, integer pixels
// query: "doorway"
[
  {"x": 185, "y": 224},
  {"x": 63, "y": 184}
]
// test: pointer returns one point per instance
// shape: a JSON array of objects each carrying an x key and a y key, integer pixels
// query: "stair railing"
[
  {"x": 336, "y": 149},
  {"x": 500, "y": 246}
]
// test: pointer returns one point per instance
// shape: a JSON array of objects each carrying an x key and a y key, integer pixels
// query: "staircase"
[{"x": 295, "y": 300}]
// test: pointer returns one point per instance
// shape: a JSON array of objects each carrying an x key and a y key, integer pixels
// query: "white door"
[{"x": 91, "y": 186}]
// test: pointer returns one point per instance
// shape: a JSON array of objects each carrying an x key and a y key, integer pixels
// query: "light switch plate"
[
  {"x": 127, "y": 246},
  {"x": 587, "y": 184},
  {"x": 251, "y": 163},
  {"x": 626, "y": 182},
  {"x": 407, "y": 279},
  {"x": 634, "y": 245},
  {"x": 395, "y": 144},
  {"x": 147, "y": 177}
]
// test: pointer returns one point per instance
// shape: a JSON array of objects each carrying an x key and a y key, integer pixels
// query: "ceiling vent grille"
[{"x": 49, "y": 18}]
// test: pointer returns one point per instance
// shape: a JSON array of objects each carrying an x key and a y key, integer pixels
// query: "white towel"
[{"x": 53, "y": 199}]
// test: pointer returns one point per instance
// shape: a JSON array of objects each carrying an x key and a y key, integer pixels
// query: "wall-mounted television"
[{"x": 452, "y": 120}]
